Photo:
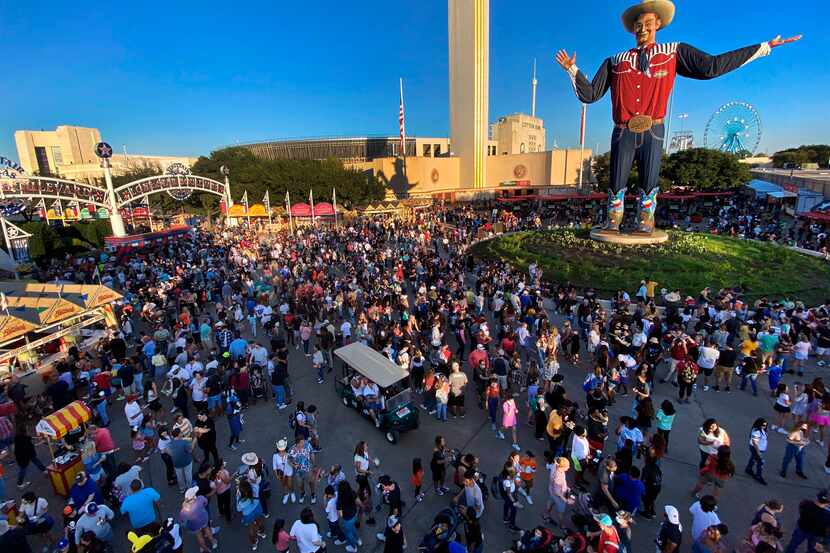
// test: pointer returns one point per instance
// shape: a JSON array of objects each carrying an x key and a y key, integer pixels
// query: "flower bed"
[{"x": 688, "y": 261}]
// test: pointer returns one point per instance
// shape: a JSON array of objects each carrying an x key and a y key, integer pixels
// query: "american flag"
[{"x": 401, "y": 124}]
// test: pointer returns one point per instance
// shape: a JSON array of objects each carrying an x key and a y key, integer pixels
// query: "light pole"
[
  {"x": 104, "y": 151},
  {"x": 230, "y": 221}
]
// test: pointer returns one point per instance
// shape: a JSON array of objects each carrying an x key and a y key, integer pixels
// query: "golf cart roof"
[{"x": 371, "y": 363}]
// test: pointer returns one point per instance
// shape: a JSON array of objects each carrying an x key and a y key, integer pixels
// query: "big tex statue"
[{"x": 641, "y": 81}]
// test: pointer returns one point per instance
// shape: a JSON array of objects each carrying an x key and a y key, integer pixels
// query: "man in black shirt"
[
  {"x": 813, "y": 522},
  {"x": 671, "y": 532},
  {"x": 205, "y": 430},
  {"x": 725, "y": 368}
]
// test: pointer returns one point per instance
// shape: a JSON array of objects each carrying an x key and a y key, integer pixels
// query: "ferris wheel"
[{"x": 735, "y": 127}]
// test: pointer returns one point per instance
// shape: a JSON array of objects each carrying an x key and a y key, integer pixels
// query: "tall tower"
[
  {"x": 469, "y": 45},
  {"x": 533, "y": 91}
]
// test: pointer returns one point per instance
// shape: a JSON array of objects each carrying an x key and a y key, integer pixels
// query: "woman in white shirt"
[
  {"x": 801, "y": 351},
  {"x": 34, "y": 512},
  {"x": 306, "y": 533},
  {"x": 580, "y": 452},
  {"x": 284, "y": 470},
  {"x": 133, "y": 411}
]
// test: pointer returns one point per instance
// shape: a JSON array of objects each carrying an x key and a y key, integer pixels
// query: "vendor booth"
[
  {"x": 57, "y": 426},
  {"x": 40, "y": 322}
]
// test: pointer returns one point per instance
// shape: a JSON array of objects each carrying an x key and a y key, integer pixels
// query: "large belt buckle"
[{"x": 640, "y": 123}]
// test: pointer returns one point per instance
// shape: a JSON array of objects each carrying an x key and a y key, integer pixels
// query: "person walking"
[
  {"x": 509, "y": 420},
  {"x": 797, "y": 440},
  {"x": 718, "y": 469},
  {"x": 181, "y": 453},
  {"x": 670, "y": 535},
  {"x": 194, "y": 518},
  {"x": 251, "y": 509},
  {"x": 757, "y": 449},
  {"x": 281, "y": 463},
  {"x": 306, "y": 533},
  {"x": 24, "y": 455},
  {"x": 347, "y": 510},
  {"x": 507, "y": 486},
  {"x": 813, "y": 523}
]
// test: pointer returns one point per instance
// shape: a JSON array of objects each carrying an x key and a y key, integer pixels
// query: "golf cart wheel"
[{"x": 392, "y": 436}]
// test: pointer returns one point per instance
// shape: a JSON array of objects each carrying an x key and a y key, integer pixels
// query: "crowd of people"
[{"x": 214, "y": 325}]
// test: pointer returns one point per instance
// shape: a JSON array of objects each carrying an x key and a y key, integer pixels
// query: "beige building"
[
  {"x": 69, "y": 152},
  {"x": 440, "y": 177},
  {"x": 518, "y": 134}
]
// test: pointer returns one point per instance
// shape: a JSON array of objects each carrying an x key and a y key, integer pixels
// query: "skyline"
[{"x": 187, "y": 79}]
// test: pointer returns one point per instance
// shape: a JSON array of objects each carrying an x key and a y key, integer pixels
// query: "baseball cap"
[
  {"x": 61, "y": 545},
  {"x": 92, "y": 508},
  {"x": 673, "y": 515},
  {"x": 392, "y": 521}
]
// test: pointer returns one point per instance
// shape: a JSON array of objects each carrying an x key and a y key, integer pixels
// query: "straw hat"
[
  {"x": 562, "y": 463},
  {"x": 250, "y": 459},
  {"x": 282, "y": 445},
  {"x": 664, "y": 9},
  {"x": 190, "y": 494}
]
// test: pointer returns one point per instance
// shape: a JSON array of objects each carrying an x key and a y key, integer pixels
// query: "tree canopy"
[
  {"x": 813, "y": 153},
  {"x": 298, "y": 177},
  {"x": 696, "y": 168}
]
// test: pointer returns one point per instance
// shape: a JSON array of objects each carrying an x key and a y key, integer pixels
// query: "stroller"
[
  {"x": 444, "y": 530},
  {"x": 258, "y": 388}
]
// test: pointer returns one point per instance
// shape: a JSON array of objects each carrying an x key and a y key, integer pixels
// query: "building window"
[
  {"x": 42, "y": 161},
  {"x": 427, "y": 150},
  {"x": 436, "y": 150},
  {"x": 57, "y": 155}
]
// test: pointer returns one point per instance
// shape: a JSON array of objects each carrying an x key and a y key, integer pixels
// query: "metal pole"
[
  {"x": 230, "y": 221},
  {"x": 9, "y": 246},
  {"x": 115, "y": 217},
  {"x": 582, "y": 143},
  {"x": 666, "y": 139}
]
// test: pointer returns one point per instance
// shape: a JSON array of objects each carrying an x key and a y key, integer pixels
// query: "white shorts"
[{"x": 822, "y": 351}]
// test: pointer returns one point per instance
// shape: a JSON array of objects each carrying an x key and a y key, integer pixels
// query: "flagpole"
[
  {"x": 9, "y": 248},
  {"x": 582, "y": 142},
  {"x": 311, "y": 200},
  {"x": 334, "y": 201},
  {"x": 268, "y": 206},
  {"x": 288, "y": 207}
]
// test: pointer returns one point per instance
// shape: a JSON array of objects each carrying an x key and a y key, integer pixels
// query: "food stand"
[{"x": 63, "y": 469}]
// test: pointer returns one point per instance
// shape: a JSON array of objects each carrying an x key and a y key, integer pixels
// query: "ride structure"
[{"x": 735, "y": 127}]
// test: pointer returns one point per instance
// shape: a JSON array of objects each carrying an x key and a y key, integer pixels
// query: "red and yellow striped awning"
[{"x": 58, "y": 424}]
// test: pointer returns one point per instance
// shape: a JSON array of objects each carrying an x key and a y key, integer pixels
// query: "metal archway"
[
  {"x": 36, "y": 188},
  {"x": 135, "y": 190}
]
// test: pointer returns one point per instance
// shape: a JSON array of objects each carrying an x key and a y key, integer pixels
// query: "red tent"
[
  {"x": 301, "y": 210},
  {"x": 819, "y": 216},
  {"x": 323, "y": 209}
]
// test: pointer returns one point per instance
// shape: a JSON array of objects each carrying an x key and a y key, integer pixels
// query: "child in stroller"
[
  {"x": 259, "y": 389},
  {"x": 442, "y": 533}
]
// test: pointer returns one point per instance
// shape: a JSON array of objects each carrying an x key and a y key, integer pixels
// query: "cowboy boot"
[
  {"x": 616, "y": 210},
  {"x": 646, "y": 207}
]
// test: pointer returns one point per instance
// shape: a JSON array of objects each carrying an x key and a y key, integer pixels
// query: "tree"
[
  {"x": 705, "y": 169},
  {"x": 814, "y": 153},
  {"x": 297, "y": 176}
]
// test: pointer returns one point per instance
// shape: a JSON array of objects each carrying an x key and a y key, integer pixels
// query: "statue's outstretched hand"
[
  {"x": 778, "y": 41},
  {"x": 565, "y": 61}
]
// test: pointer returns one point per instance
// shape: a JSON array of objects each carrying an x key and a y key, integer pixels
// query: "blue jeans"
[
  {"x": 102, "y": 413},
  {"x": 441, "y": 415},
  {"x": 138, "y": 382},
  {"x": 279, "y": 395},
  {"x": 753, "y": 379},
  {"x": 509, "y": 511},
  {"x": 799, "y": 536},
  {"x": 793, "y": 452},
  {"x": 493, "y": 409},
  {"x": 756, "y": 463},
  {"x": 646, "y": 149},
  {"x": 349, "y": 530}
]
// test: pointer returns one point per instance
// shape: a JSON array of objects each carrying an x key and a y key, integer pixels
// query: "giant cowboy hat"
[{"x": 664, "y": 9}]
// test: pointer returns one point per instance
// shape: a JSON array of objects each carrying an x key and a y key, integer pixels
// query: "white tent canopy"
[{"x": 371, "y": 363}]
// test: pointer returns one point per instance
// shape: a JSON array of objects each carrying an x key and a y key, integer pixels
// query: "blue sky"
[{"x": 185, "y": 77}]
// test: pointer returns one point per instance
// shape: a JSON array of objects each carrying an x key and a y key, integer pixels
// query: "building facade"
[
  {"x": 518, "y": 133},
  {"x": 69, "y": 152}
]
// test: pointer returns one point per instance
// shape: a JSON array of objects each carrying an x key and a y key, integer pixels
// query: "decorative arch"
[
  {"x": 36, "y": 188},
  {"x": 135, "y": 190}
]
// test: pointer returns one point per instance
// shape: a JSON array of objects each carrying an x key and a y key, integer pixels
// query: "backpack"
[{"x": 292, "y": 422}]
